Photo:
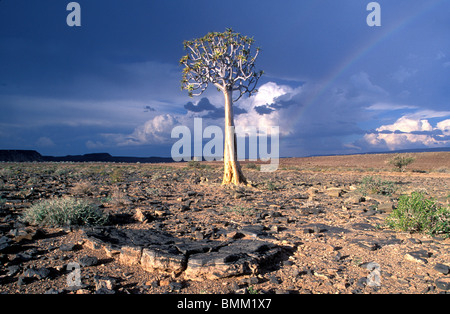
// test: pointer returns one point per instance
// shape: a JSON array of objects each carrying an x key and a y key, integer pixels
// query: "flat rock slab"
[
  {"x": 239, "y": 257},
  {"x": 199, "y": 260}
]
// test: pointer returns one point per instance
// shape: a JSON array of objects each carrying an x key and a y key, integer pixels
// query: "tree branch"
[{"x": 223, "y": 59}]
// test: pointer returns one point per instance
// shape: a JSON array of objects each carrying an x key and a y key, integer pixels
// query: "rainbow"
[{"x": 385, "y": 32}]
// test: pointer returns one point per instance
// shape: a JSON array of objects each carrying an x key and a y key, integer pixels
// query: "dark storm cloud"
[
  {"x": 203, "y": 105},
  {"x": 213, "y": 112}
]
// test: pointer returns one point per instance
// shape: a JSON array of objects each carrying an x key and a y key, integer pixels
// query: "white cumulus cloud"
[{"x": 408, "y": 132}]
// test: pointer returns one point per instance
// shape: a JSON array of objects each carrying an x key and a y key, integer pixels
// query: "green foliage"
[
  {"x": 242, "y": 210},
  {"x": 117, "y": 175},
  {"x": 415, "y": 213},
  {"x": 223, "y": 59},
  {"x": 253, "y": 166},
  {"x": 371, "y": 185},
  {"x": 401, "y": 161},
  {"x": 195, "y": 164},
  {"x": 65, "y": 212},
  {"x": 272, "y": 186}
]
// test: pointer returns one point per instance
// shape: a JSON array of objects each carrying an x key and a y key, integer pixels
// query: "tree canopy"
[{"x": 226, "y": 60}]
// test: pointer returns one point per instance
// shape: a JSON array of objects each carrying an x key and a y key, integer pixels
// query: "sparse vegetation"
[
  {"x": 401, "y": 161},
  {"x": 371, "y": 185},
  {"x": 119, "y": 197},
  {"x": 242, "y": 210},
  {"x": 117, "y": 175},
  {"x": 302, "y": 207},
  {"x": 442, "y": 170},
  {"x": 83, "y": 188},
  {"x": 195, "y": 164},
  {"x": 253, "y": 166},
  {"x": 416, "y": 213},
  {"x": 66, "y": 211},
  {"x": 272, "y": 186}
]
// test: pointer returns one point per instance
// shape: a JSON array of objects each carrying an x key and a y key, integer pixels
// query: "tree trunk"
[{"x": 232, "y": 170}]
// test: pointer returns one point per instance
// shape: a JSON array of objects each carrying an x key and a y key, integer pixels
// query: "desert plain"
[{"x": 312, "y": 226}]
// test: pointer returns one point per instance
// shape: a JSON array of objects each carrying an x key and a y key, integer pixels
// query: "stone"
[
  {"x": 105, "y": 282},
  {"x": 241, "y": 257},
  {"x": 164, "y": 282},
  {"x": 39, "y": 273},
  {"x": 338, "y": 257},
  {"x": 353, "y": 198},
  {"x": 368, "y": 245},
  {"x": 313, "y": 211},
  {"x": 334, "y": 192},
  {"x": 104, "y": 291},
  {"x": 185, "y": 208},
  {"x": 12, "y": 270},
  {"x": 442, "y": 268},
  {"x": 175, "y": 286},
  {"x": 26, "y": 234},
  {"x": 362, "y": 282},
  {"x": 142, "y": 215},
  {"x": 253, "y": 231},
  {"x": 443, "y": 283},
  {"x": 200, "y": 259},
  {"x": 216, "y": 265},
  {"x": 363, "y": 226},
  {"x": 370, "y": 265},
  {"x": 42, "y": 273},
  {"x": 370, "y": 212},
  {"x": 67, "y": 247},
  {"x": 418, "y": 256},
  {"x": 234, "y": 235},
  {"x": 87, "y": 261},
  {"x": 275, "y": 229},
  {"x": 385, "y": 207},
  {"x": 93, "y": 243},
  {"x": 5, "y": 243},
  {"x": 130, "y": 255},
  {"x": 199, "y": 235},
  {"x": 300, "y": 196},
  {"x": 163, "y": 259},
  {"x": 53, "y": 291},
  {"x": 274, "y": 279},
  {"x": 22, "y": 280},
  {"x": 318, "y": 229}
]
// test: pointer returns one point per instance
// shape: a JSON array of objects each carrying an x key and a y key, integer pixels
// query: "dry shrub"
[{"x": 83, "y": 188}]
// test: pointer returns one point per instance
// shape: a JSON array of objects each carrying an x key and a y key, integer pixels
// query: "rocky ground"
[{"x": 306, "y": 228}]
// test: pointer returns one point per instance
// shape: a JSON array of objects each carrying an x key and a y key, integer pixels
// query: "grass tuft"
[
  {"x": 66, "y": 211},
  {"x": 371, "y": 185}
]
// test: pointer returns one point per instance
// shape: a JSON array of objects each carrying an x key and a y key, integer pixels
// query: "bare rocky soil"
[{"x": 306, "y": 228}]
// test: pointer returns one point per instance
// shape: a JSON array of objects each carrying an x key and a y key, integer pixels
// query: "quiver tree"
[{"x": 227, "y": 61}]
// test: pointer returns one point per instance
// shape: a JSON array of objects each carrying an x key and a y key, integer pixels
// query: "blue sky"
[{"x": 332, "y": 83}]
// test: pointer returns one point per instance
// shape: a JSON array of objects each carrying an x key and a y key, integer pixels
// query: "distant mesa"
[
  {"x": 20, "y": 156},
  {"x": 34, "y": 156}
]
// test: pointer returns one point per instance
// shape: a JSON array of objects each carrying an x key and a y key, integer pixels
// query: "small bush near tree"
[
  {"x": 401, "y": 161},
  {"x": 66, "y": 211},
  {"x": 416, "y": 213},
  {"x": 371, "y": 185}
]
